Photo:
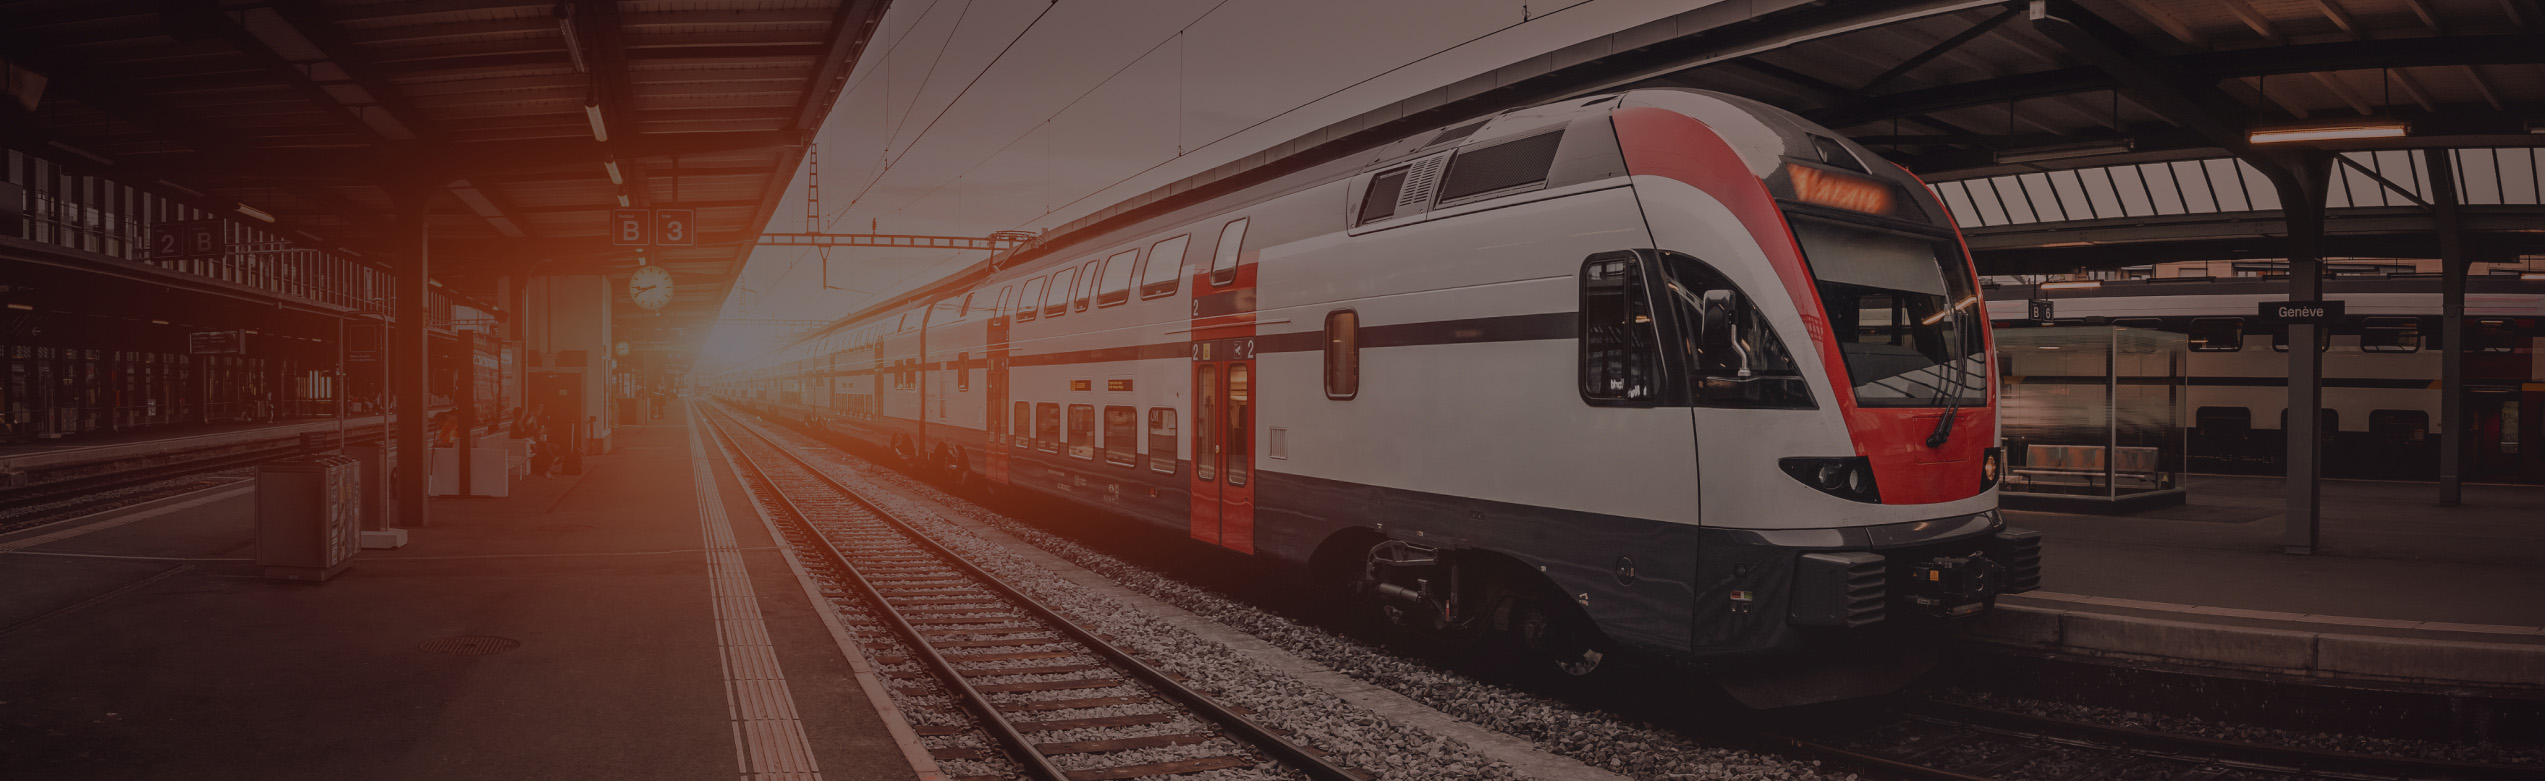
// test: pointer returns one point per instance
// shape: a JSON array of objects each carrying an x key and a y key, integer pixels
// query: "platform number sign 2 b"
[
  {"x": 654, "y": 227},
  {"x": 187, "y": 239}
]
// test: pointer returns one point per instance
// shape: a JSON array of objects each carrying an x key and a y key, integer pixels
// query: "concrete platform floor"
[
  {"x": 2389, "y": 552},
  {"x": 154, "y": 649}
]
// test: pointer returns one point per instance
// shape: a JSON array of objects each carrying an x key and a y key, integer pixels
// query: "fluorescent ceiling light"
[
  {"x": 2072, "y": 285},
  {"x": 622, "y": 200},
  {"x": 23, "y": 307},
  {"x": 592, "y": 112},
  {"x": 2386, "y": 128},
  {"x": 2065, "y": 151},
  {"x": 92, "y": 156},
  {"x": 2533, "y": 276},
  {"x": 255, "y": 212},
  {"x": 574, "y": 46},
  {"x": 158, "y": 322},
  {"x": 613, "y": 167}
]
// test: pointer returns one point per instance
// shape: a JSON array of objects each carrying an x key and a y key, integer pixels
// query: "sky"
[{"x": 972, "y": 116}]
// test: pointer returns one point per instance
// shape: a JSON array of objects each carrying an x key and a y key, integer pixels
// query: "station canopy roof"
[
  {"x": 2030, "y": 104},
  {"x": 328, "y": 114}
]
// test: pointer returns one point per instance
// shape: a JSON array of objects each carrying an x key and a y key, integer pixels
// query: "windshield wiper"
[{"x": 1960, "y": 382}]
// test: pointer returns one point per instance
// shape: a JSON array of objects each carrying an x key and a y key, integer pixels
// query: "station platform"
[
  {"x": 21, "y": 457},
  {"x": 2401, "y": 589},
  {"x": 635, "y": 621}
]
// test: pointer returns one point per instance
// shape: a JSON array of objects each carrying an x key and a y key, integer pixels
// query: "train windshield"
[{"x": 1907, "y": 319}]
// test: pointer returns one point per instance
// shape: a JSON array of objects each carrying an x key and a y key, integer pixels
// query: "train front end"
[{"x": 1828, "y": 318}]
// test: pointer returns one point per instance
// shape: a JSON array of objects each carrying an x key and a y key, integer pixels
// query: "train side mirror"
[{"x": 1719, "y": 330}]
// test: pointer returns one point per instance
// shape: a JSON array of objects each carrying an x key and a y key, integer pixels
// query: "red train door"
[
  {"x": 1224, "y": 452},
  {"x": 997, "y": 421},
  {"x": 1224, "y": 394},
  {"x": 1208, "y": 384}
]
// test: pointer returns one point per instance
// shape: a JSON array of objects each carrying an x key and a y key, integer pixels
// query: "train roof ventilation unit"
[
  {"x": 1503, "y": 166},
  {"x": 1458, "y": 133},
  {"x": 1419, "y": 181}
]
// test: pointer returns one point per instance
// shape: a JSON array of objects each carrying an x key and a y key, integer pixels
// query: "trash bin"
[
  {"x": 307, "y": 517},
  {"x": 375, "y": 482}
]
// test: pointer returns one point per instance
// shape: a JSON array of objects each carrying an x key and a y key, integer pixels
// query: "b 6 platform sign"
[{"x": 2302, "y": 311}]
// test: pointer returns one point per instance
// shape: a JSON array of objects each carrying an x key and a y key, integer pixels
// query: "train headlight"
[
  {"x": 1990, "y": 466},
  {"x": 1845, "y": 478}
]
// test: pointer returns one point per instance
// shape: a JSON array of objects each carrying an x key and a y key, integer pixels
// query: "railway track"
[
  {"x": 42, "y": 503},
  {"x": 1024, "y": 691},
  {"x": 1951, "y": 742}
]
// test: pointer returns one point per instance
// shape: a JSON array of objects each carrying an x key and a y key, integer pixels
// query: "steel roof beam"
[
  {"x": 2210, "y": 67},
  {"x": 1938, "y": 50}
]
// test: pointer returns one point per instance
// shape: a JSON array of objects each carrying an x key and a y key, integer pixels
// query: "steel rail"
[
  {"x": 1237, "y": 725},
  {"x": 43, "y": 493},
  {"x": 999, "y": 728}
]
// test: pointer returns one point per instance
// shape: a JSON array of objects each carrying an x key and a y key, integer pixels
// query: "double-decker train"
[
  {"x": 1664, "y": 370},
  {"x": 2382, "y": 388}
]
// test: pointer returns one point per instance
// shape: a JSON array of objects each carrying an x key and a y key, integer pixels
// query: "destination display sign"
[
  {"x": 2301, "y": 311},
  {"x": 217, "y": 342}
]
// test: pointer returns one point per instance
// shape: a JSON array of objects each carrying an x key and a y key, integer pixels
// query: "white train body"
[
  {"x": 1571, "y": 358},
  {"x": 2382, "y": 389}
]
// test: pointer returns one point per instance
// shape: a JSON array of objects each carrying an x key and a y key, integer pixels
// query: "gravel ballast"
[{"x": 1600, "y": 740}]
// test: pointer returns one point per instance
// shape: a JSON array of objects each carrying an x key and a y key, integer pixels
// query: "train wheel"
[{"x": 1560, "y": 636}]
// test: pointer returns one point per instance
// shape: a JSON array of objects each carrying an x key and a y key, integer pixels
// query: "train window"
[
  {"x": 962, "y": 371},
  {"x": 1240, "y": 425},
  {"x": 1085, "y": 286},
  {"x": 2217, "y": 334},
  {"x": 1379, "y": 201},
  {"x": 1232, "y": 238},
  {"x": 1082, "y": 431},
  {"x": 2390, "y": 335},
  {"x": 1162, "y": 440},
  {"x": 1166, "y": 267},
  {"x": 1122, "y": 436},
  {"x": 1621, "y": 357},
  {"x": 1025, "y": 307},
  {"x": 1017, "y": 427},
  {"x": 1746, "y": 366},
  {"x": 1343, "y": 354},
  {"x": 2280, "y": 339},
  {"x": 2492, "y": 336},
  {"x": 2398, "y": 426},
  {"x": 2223, "y": 422},
  {"x": 964, "y": 310},
  {"x": 1118, "y": 269},
  {"x": 999, "y": 308},
  {"x": 1047, "y": 427},
  {"x": 1064, "y": 285},
  {"x": 1503, "y": 166}
]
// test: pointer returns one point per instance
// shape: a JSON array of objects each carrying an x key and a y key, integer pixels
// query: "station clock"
[{"x": 650, "y": 286}]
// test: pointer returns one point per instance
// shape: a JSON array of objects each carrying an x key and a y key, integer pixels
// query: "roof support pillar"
[
  {"x": 411, "y": 352},
  {"x": 2452, "y": 271},
  {"x": 2301, "y": 188}
]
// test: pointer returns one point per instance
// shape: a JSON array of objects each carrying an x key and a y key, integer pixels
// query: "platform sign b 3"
[
  {"x": 675, "y": 227},
  {"x": 631, "y": 227}
]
